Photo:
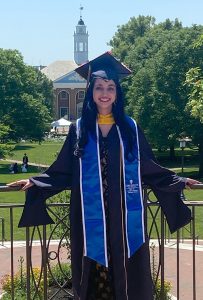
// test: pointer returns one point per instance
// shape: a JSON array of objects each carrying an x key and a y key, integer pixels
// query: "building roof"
[{"x": 59, "y": 68}]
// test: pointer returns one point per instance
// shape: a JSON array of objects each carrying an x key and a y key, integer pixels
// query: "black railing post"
[
  {"x": 2, "y": 230},
  {"x": 28, "y": 262},
  {"x": 193, "y": 254},
  {"x": 162, "y": 255},
  {"x": 44, "y": 262},
  {"x": 11, "y": 236},
  {"x": 178, "y": 264}
]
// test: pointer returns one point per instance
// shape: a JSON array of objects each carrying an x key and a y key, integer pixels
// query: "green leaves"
[
  {"x": 159, "y": 57},
  {"x": 194, "y": 80},
  {"x": 26, "y": 97}
]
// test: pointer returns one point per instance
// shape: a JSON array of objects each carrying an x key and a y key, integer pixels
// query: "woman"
[{"x": 104, "y": 161}]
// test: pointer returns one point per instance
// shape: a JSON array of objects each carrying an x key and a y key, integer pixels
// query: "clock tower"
[{"x": 81, "y": 41}]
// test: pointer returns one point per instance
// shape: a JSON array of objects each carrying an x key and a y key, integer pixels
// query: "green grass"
[
  {"x": 185, "y": 232},
  {"x": 13, "y": 198},
  {"x": 45, "y": 154},
  {"x": 6, "y": 177}
]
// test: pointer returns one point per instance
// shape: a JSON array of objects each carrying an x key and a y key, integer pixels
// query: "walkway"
[
  {"x": 186, "y": 280},
  {"x": 30, "y": 163},
  {"x": 186, "y": 268}
]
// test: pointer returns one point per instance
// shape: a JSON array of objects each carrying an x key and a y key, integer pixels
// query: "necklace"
[{"x": 106, "y": 119}]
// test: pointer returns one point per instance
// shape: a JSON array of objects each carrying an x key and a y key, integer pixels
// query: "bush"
[
  {"x": 61, "y": 275},
  {"x": 158, "y": 293},
  {"x": 58, "y": 275},
  {"x": 5, "y": 150},
  {"x": 20, "y": 285},
  {"x": 166, "y": 291}
]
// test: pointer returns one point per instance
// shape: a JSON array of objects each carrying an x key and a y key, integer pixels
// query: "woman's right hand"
[{"x": 24, "y": 183}]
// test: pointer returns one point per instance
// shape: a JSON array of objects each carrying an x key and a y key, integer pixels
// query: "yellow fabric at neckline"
[{"x": 105, "y": 119}]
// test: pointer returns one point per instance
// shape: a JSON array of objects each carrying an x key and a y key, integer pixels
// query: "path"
[
  {"x": 30, "y": 163},
  {"x": 186, "y": 253}
]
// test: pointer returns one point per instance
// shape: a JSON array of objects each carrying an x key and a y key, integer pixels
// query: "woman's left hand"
[{"x": 190, "y": 182}]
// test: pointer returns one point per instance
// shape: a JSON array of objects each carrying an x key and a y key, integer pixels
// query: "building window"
[
  {"x": 63, "y": 104},
  {"x": 80, "y": 47},
  {"x": 64, "y": 112},
  {"x": 79, "y": 109},
  {"x": 64, "y": 95},
  {"x": 81, "y": 95},
  {"x": 80, "y": 30}
]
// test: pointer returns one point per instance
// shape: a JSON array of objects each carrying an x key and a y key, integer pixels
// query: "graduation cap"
[{"x": 105, "y": 66}]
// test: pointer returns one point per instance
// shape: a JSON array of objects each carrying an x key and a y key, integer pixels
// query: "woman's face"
[{"x": 104, "y": 95}]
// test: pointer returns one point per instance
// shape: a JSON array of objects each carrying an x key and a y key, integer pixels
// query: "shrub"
[
  {"x": 19, "y": 283},
  {"x": 159, "y": 294},
  {"x": 5, "y": 150},
  {"x": 58, "y": 275}
]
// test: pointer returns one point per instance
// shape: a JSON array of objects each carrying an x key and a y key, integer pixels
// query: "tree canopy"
[
  {"x": 194, "y": 80},
  {"x": 26, "y": 97},
  {"x": 159, "y": 55}
]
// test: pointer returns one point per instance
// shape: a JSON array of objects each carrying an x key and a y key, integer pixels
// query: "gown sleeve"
[
  {"x": 55, "y": 179},
  {"x": 165, "y": 184}
]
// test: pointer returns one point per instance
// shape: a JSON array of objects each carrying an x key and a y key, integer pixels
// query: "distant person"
[
  {"x": 13, "y": 168},
  {"x": 25, "y": 160},
  {"x": 24, "y": 168}
]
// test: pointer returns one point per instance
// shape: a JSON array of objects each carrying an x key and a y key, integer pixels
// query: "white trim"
[
  {"x": 59, "y": 108},
  {"x": 126, "y": 209},
  {"x": 63, "y": 90},
  {"x": 102, "y": 198},
  {"x": 69, "y": 85},
  {"x": 81, "y": 194},
  {"x": 140, "y": 183},
  {"x": 124, "y": 251}
]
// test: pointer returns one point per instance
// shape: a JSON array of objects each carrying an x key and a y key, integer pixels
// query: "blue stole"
[{"x": 92, "y": 202}]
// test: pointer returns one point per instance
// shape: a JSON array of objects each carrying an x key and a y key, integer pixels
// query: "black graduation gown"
[{"x": 132, "y": 276}]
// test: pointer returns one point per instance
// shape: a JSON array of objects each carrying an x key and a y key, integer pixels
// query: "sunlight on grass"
[
  {"x": 46, "y": 153},
  {"x": 43, "y": 153}
]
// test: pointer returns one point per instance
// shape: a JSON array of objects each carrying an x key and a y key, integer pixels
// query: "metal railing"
[
  {"x": 51, "y": 281},
  {"x": 2, "y": 220}
]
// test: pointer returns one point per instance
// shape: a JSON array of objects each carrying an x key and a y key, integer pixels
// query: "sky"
[{"x": 42, "y": 30}]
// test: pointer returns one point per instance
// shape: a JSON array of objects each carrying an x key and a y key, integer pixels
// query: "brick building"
[{"x": 69, "y": 87}]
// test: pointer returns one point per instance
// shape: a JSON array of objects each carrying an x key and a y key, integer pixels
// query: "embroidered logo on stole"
[{"x": 92, "y": 202}]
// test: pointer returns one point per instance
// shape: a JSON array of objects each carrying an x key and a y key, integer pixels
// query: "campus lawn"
[
  {"x": 45, "y": 154},
  {"x": 13, "y": 198}
]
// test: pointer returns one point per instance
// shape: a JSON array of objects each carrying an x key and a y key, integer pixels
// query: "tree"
[
  {"x": 159, "y": 59},
  {"x": 4, "y": 148},
  {"x": 194, "y": 81},
  {"x": 26, "y": 97}
]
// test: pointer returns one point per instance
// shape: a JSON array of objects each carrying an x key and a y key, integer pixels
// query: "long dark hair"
[{"x": 89, "y": 115}]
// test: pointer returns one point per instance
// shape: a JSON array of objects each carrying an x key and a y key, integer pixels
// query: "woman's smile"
[{"x": 104, "y": 99}]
